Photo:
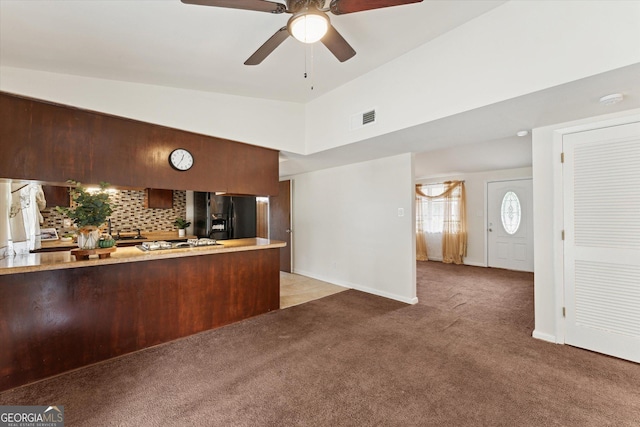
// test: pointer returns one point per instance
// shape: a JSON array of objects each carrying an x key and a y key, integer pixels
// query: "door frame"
[
  {"x": 486, "y": 213},
  {"x": 276, "y": 232}
]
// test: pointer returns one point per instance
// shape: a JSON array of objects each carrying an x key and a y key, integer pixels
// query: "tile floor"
[{"x": 296, "y": 289}]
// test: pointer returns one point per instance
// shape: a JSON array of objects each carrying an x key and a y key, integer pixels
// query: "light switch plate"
[{"x": 400, "y": 211}]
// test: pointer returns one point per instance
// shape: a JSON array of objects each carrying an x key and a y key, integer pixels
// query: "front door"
[
  {"x": 280, "y": 222},
  {"x": 510, "y": 224},
  {"x": 601, "y": 185}
]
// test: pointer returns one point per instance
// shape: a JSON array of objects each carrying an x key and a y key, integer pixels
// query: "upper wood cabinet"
[
  {"x": 49, "y": 142},
  {"x": 56, "y": 196},
  {"x": 158, "y": 199}
]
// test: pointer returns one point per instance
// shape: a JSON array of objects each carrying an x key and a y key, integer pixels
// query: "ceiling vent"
[{"x": 363, "y": 119}]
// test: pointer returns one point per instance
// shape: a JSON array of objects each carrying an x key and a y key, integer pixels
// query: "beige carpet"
[{"x": 354, "y": 359}]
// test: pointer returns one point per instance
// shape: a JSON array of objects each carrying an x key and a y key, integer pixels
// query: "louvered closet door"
[{"x": 602, "y": 240}]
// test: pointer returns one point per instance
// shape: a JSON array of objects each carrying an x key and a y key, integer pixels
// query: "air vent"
[
  {"x": 362, "y": 119},
  {"x": 369, "y": 117}
]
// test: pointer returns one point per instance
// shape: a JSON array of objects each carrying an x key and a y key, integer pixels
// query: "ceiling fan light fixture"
[{"x": 308, "y": 26}]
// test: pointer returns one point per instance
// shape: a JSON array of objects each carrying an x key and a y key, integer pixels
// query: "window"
[
  {"x": 510, "y": 212},
  {"x": 441, "y": 220},
  {"x": 433, "y": 210}
]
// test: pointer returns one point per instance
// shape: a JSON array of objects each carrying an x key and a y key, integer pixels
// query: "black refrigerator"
[{"x": 224, "y": 217}]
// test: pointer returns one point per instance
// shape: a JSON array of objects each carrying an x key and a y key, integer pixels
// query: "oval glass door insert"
[{"x": 510, "y": 212}]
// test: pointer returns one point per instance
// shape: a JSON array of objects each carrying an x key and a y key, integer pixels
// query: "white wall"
[
  {"x": 515, "y": 49},
  {"x": 251, "y": 120},
  {"x": 548, "y": 219},
  {"x": 346, "y": 228},
  {"x": 476, "y": 188}
]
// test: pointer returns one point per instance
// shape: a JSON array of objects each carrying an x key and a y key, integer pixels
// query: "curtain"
[
  {"x": 5, "y": 203},
  {"x": 421, "y": 237},
  {"x": 454, "y": 232},
  {"x": 24, "y": 204},
  {"x": 454, "y": 235}
]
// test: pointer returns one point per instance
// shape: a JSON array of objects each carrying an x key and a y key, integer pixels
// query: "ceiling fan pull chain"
[
  {"x": 310, "y": 46},
  {"x": 312, "y": 67},
  {"x": 305, "y": 62}
]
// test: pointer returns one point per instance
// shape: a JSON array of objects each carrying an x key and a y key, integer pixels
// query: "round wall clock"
[{"x": 181, "y": 159}]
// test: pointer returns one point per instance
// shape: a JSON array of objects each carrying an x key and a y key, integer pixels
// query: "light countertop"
[
  {"x": 63, "y": 259},
  {"x": 150, "y": 236}
]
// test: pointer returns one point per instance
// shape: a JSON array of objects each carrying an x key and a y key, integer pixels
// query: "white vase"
[
  {"x": 88, "y": 239},
  {"x": 182, "y": 232}
]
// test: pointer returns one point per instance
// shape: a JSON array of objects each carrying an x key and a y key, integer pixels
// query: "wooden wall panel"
[
  {"x": 64, "y": 146},
  {"x": 54, "y": 143},
  {"x": 17, "y": 158},
  {"x": 138, "y": 153},
  {"x": 251, "y": 169},
  {"x": 54, "y": 321}
]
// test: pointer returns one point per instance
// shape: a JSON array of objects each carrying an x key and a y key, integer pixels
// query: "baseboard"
[
  {"x": 475, "y": 264},
  {"x": 320, "y": 277},
  {"x": 357, "y": 287},
  {"x": 544, "y": 337},
  {"x": 384, "y": 294},
  {"x": 472, "y": 264}
]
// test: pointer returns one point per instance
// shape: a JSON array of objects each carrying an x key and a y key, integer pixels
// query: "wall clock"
[{"x": 181, "y": 159}]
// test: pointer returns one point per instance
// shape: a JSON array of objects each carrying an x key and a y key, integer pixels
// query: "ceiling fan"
[{"x": 309, "y": 22}]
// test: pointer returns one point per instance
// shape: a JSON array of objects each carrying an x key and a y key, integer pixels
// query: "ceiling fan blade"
[
  {"x": 258, "y": 5},
  {"x": 340, "y": 7},
  {"x": 337, "y": 44},
  {"x": 268, "y": 47}
]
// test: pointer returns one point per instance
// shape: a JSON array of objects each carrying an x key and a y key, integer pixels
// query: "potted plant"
[
  {"x": 182, "y": 224},
  {"x": 90, "y": 210}
]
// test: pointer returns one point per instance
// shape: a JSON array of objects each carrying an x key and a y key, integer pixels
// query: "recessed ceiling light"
[
  {"x": 614, "y": 98},
  {"x": 522, "y": 133}
]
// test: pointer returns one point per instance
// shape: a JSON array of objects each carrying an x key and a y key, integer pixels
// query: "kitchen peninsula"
[{"x": 58, "y": 314}]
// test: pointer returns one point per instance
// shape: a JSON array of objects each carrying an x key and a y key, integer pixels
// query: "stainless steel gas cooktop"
[{"x": 190, "y": 243}]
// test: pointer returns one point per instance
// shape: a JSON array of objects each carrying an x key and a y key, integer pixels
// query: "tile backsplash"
[{"x": 130, "y": 213}]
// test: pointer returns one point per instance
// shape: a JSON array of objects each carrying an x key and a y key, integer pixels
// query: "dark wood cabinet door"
[
  {"x": 56, "y": 196},
  {"x": 121, "y": 308},
  {"x": 159, "y": 199}
]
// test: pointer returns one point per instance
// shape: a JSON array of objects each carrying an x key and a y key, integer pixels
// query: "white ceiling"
[{"x": 168, "y": 43}]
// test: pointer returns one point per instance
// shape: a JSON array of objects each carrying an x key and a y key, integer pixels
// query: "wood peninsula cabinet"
[{"x": 58, "y": 314}]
